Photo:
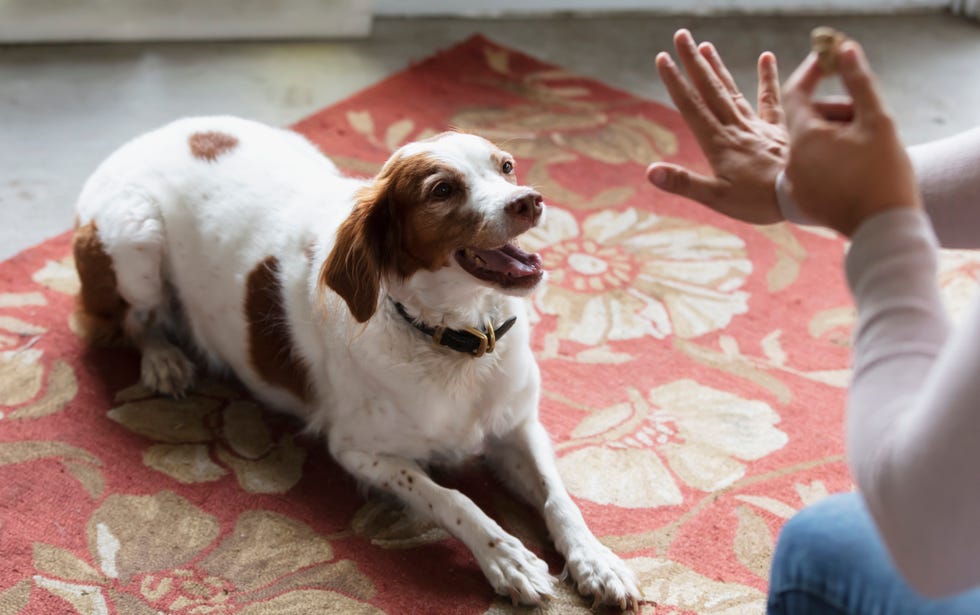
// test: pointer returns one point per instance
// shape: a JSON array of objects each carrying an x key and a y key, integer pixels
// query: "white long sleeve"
[
  {"x": 913, "y": 418},
  {"x": 914, "y": 405},
  {"x": 948, "y": 174}
]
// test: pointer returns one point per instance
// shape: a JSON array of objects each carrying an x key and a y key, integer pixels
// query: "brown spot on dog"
[
  {"x": 270, "y": 342},
  {"x": 412, "y": 217},
  {"x": 210, "y": 145},
  {"x": 101, "y": 309}
]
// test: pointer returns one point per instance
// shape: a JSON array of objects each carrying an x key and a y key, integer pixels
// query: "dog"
[{"x": 387, "y": 313}]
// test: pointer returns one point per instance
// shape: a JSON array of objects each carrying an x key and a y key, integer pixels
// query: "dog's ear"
[{"x": 359, "y": 259}]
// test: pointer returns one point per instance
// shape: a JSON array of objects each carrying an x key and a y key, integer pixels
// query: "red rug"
[{"x": 693, "y": 383}]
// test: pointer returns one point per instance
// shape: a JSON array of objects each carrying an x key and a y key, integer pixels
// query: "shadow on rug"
[{"x": 694, "y": 372}]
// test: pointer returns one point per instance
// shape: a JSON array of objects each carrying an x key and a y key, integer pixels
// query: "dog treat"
[{"x": 825, "y": 42}]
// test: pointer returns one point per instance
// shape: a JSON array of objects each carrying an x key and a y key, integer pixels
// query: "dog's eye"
[
  {"x": 507, "y": 168},
  {"x": 442, "y": 190}
]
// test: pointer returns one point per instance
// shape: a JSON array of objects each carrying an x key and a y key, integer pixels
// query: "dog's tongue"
[{"x": 510, "y": 260}]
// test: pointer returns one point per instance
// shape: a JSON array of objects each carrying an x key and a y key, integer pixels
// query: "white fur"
[{"x": 388, "y": 401}]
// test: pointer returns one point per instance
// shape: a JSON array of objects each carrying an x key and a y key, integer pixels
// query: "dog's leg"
[
  {"x": 526, "y": 461},
  {"x": 509, "y": 566},
  {"x": 134, "y": 234},
  {"x": 164, "y": 367}
]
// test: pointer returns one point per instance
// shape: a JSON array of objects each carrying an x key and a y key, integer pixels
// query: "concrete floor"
[{"x": 64, "y": 108}]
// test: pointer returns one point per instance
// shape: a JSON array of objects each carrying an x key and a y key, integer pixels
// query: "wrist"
[{"x": 787, "y": 206}]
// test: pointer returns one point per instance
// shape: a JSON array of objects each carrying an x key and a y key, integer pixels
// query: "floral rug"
[{"x": 694, "y": 372}]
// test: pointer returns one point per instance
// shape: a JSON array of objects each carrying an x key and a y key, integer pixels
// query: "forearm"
[
  {"x": 913, "y": 432},
  {"x": 948, "y": 174}
]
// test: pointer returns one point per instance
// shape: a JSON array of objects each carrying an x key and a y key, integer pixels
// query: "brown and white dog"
[{"x": 376, "y": 310}]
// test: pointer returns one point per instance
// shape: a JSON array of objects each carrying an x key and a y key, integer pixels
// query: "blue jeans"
[{"x": 830, "y": 561}]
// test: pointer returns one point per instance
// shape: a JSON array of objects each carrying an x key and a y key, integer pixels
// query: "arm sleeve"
[
  {"x": 913, "y": 426},
  {"x": 948, "y": 173}
]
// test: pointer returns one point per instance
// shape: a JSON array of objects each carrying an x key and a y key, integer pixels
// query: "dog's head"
[{"x": 452, "y": 200}]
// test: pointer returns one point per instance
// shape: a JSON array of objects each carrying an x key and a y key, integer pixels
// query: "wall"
[
  {"x": 122, "y": 20},
  {"x": 693, "y": 7}
]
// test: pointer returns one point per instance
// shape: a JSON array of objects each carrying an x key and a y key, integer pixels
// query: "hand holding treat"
[
  {"x": 826, "y": 42},
  {"x": 843, "y": 171}
]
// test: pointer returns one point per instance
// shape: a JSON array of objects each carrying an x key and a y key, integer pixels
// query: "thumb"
[
  {"x": 858, "y": 80},
  {"x": 684, "y": 182}
]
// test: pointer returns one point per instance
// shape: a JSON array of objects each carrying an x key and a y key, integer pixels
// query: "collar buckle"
[
  {"x": 488, "y": 340},
  {"x": 437, "y": 335}
]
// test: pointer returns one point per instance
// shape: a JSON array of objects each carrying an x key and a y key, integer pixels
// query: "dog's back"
[{"x": 195, "y": 224}]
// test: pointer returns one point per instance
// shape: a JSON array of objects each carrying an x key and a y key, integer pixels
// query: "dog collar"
[{"x": 472, "y": 341}]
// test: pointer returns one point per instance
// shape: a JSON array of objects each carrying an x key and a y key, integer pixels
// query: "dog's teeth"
[{"x": 479, "y": 261}]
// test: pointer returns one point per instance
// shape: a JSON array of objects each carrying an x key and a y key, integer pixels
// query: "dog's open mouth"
[{"x": 507, "y": 266}]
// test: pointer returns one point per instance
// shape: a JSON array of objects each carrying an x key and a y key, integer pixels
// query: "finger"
[
  {"x": 836, "y": 109},
  {"x": 684, "y": 182},
  {"x": 798, "y": 92},
  {"x": 721, "y": 71},
  {"x": 711, "y": 89},
  {"x": 858, "y": 79},
  {"x": 696, "y": 114},
  {"x": 770, "y": 103}
]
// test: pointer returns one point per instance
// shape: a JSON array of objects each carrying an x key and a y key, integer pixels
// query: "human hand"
[
  {"x": 745, "y": 148},
  {"x": 845, "y": 168}
]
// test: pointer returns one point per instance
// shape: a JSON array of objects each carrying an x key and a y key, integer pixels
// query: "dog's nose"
[{"x": 527, "y": 206}]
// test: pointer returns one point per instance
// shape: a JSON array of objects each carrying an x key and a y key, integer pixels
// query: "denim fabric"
[{"x": 829, "y": 560}]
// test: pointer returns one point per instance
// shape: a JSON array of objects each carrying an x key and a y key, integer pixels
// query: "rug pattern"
[{"x": 694, "y": 372}]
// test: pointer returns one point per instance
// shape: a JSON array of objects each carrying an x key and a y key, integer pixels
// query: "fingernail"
[{"x": 659, "y": 177}]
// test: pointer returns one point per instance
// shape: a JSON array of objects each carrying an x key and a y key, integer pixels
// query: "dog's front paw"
[
  {"x": 599, "y": 573},
  {"x": 166, "y": 370},
  {"x": 516, "y": 572}
]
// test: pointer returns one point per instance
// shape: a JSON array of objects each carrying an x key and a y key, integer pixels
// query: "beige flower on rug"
[
  {"x": 705, "y": 436},
  {"x": 562, "y": 123},
  {"x": 663, "y": 584},
  {"x": 23, "y": 370},
  {"x": 388, "y": 524},
  {"x": 60, "y": 276},
  {"x": 754, "y": 541},
  {"x": 156, "y": 553},
  {"x": 629, "y": 274},
  {"x": 211, "y": 423}
]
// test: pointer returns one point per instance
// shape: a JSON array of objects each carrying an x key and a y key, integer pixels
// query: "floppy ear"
[{"x": 361, "y": 253}]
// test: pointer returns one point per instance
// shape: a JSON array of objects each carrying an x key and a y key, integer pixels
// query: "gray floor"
[{"x": 64, "y": 108}]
